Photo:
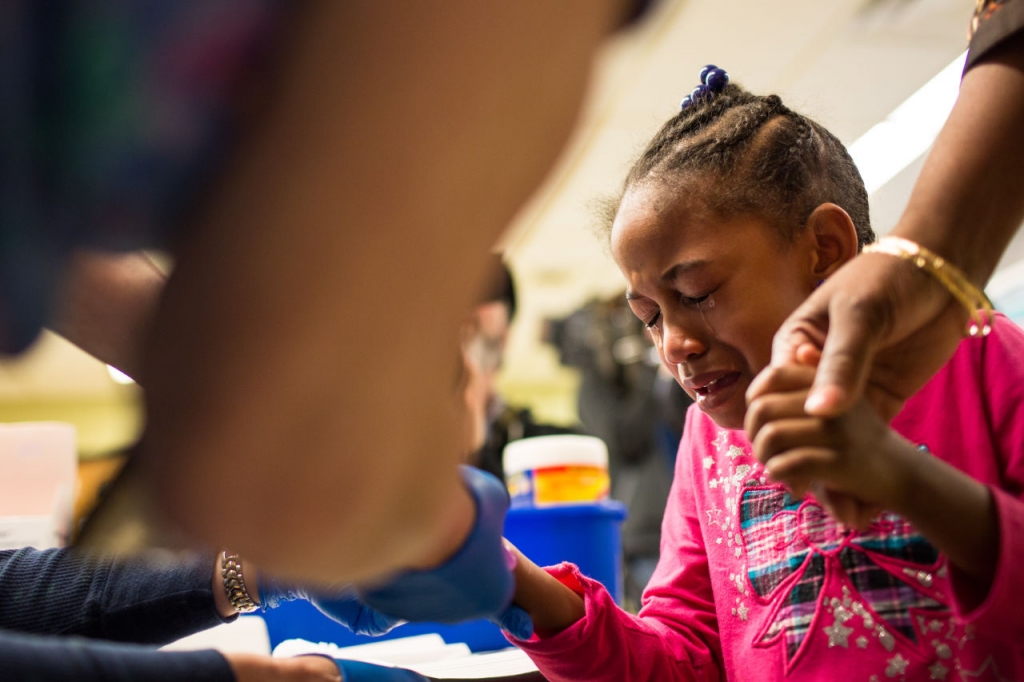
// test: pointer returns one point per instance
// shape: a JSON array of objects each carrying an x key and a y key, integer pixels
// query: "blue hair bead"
[
  {"x": 712, "y": 81},
  {"x": 716, "y": 80}
]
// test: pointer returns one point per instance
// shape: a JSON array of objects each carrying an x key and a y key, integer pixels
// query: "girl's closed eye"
[
  {"x": 702, "y": 301},
  {"x": 651, "y": 323}
]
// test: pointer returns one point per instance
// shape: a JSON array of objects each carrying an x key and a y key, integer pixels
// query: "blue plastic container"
[{"x": 588, "y": 535}]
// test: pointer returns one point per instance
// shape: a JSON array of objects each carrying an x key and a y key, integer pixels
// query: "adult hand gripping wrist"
[
  {"x": 477, "y": 582},
  {"x": 343, "y": 607}
]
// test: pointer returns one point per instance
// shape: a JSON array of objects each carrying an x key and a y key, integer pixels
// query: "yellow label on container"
[
  {"x": 561, "y": 485},
  {"x": 520, "y": 488}
]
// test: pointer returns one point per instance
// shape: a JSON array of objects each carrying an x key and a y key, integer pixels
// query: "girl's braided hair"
[{"x": 753, "y": 155}]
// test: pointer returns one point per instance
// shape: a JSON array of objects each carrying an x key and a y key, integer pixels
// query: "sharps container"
[
  {"x": 555, "y": 470},
  {"x": 560, "y": 509}
]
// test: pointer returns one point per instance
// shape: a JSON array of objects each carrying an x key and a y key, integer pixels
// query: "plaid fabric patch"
[
  {"x": 888, "y": 596},
  {"x": 784, "y": 537},
  {"x": 795, "y": 614},
  {"x": 894, "y": 537},
  {"x": 766, "y": 539}
]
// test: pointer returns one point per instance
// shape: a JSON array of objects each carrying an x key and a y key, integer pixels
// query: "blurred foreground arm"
[
  {"x": 886, "y": 327},
  {"x": 299, "y": 394},
  {"x": 107, "y": 302}
]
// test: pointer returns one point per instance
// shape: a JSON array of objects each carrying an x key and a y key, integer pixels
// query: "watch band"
[{"x": 234, "y": 583}]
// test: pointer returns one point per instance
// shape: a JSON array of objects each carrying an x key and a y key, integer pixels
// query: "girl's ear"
[{"x": 834, "y": 237}]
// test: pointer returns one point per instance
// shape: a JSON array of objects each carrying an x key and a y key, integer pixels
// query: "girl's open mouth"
[
  {"x": 718, "y": 384},
  {"x": 717, "y": 392}
]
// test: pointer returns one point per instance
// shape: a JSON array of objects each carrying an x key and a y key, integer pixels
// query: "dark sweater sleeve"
[
  {"x": 65, "y": 592},
  {"x": 994, "y": 21},
  {"x": 42, "y": 659}
]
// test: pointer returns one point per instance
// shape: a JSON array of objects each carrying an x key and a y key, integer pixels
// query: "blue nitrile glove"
[
  {"x": 357, "y": 671},
  {"x": 516, "y": 622},
  {"x": 476, "y": 582},
  {"x": 343, "y": 607}
]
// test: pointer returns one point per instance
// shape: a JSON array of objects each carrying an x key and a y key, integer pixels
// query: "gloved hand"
[
  {"x": 343, "y": 607},
  {"x": 476, "y": 582},
  {"x": 516, "y": 622}
]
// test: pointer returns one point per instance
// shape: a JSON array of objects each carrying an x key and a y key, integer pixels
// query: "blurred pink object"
[{"x": 38, "y": 479}]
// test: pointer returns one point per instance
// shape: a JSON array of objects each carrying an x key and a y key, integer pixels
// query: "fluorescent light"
[
  {"x": 118, "y": 376},
  {"x": 892, "y": 145}
]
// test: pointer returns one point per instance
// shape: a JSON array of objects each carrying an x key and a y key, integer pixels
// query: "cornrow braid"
[{"x": 762, "y": 158}]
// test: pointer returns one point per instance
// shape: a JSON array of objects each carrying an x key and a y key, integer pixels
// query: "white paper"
[{"x": 425, "y": 654}]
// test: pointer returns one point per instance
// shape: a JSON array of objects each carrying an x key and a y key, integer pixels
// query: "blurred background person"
[{"x": 497, "y": 423}]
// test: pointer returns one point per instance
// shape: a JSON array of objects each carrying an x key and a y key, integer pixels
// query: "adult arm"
[
  {"x": 298, "y": 396},
  {"x": 34, "y": 657},
  {"x": 53, "y": 599},
  {"x": 884, "y": 327},
  {"x": 66, "y": 615},
  {"x": 152, "y": 600}
]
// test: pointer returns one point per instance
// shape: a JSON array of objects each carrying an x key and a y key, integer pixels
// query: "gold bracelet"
[
  {"x": 234, "y": 584},
  {"x": 952, "y": 278}
]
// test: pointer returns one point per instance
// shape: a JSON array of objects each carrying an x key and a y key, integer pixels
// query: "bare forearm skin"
[
  {"x": 552, "y": 606},
  {"x": 950, "y": 509},
  {"x": 969, "y": 199}
]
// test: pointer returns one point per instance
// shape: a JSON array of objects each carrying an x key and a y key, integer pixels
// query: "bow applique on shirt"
[{"x": 794, "y": 546}]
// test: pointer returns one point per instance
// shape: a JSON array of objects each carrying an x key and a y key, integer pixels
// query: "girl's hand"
[
  {"x": 854, "y": 464},
  {"x": 552, "y": 606}
]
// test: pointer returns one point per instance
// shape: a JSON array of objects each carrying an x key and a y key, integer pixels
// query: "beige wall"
[{"x": 54, "y": 381}]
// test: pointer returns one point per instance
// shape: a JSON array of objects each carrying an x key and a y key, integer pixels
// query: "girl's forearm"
[
  {"x": 552, "y": 606},
  {"x": 953, "y": 511}
]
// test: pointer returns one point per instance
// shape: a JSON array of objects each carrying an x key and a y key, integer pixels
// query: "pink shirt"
[{"x": 755, "y": 586}]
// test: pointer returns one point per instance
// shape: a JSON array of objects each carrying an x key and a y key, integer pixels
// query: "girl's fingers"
[
  {"x": 781, "y": 379},
  {"x": 866, "y": 513},
  {"x": 802, "y": 464},
  {"x": 845, "y": 508},
  {"x": 798, "y": 488},
  {"x": 808, "y": 354},
  {"x": 840, "y": 506},
  {"x": 812, "y": 470},
  {"x": 781, "y": 434},
  {"x": 773, "y": 407}
]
